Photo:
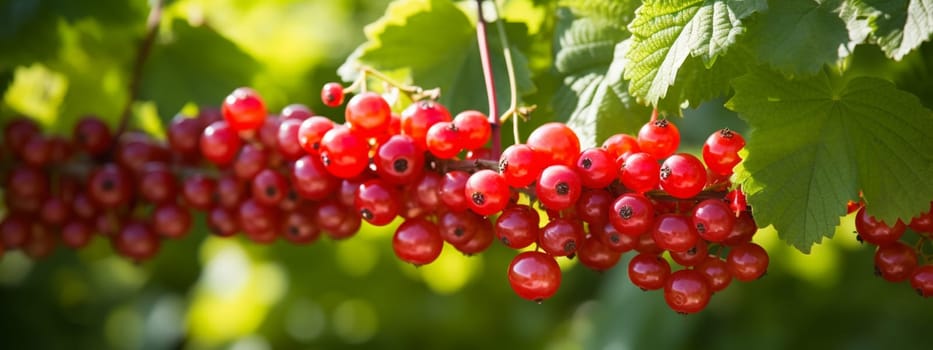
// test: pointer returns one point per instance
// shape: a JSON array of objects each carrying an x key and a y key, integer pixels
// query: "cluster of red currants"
[{"x": 895, "y": 260}]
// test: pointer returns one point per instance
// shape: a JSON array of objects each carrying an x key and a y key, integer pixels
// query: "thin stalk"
[
  {"x": 145, "y": 48},
  {"x": 490, "y": 81},
  {"x": 510, "y": 70}
]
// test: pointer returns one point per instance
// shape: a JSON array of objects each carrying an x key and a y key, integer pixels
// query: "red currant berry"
[
  {"x": 922, "y": 280},
  {"x": 136, "y": 241},
  {"x": 517, "y": 226},
  {"x": 287, "y": 139},
  {"x": 76, "y": 234},
  {"x": 452, "y": 191},
  {"x": 443, "y": 140},
  {"x": 332, "y": 94},
  {"x": 659, "y": 138},
  {"x": 620, "y": 144},
  {"x": 612, "y": 238},
  {"x": 311, "y": 180},
  {"x": 458, "y": 227},
  {"x": 924, "y": 222},
  {"x": 556, "y": 143},
  {"x": 721, "y": 151},
  {"x": 632, "y": 214},
  {"x": 596, "y": 168},
  {"x": 269, "y": 132},
  {"x": 474, "y": 129},
  {"x": 110, "y": 186},
  {"x": 682, "y": 176},
  {"x": 18, "y": 132},
  {"x": 256, "y": 219},
  {"x": 674, "y": 233},
  {"x": 895, "y": 261},
  {"x": 593, "y": 206},
  {"x": 747, "y": 261},
  {"x": 296, "y": 111},
  {"x": 716, "y": 272},
  {"x": 299, "y": 227},
  {"x": 692, "y": 256},
  {"x": 223, "y": 222},
  {"x": 713, "y": 220},
  {"x": 377, "y": 202},
  {"x": 54, "y": 211},
  {"x": 368, "y": 114},
  {"x": 558, "y": 187},
  {"x": 427, "y": 189},
  {"x": 876, "y": 231},
  {"x": 687, "y": 292},
  {"x": 251, "y": 160},
  {"x": 171, "y": 221},
  {"x": 534, "y": 276},
  {"x": 648, "y": 271},
  {"x": 219, "y": 143},
  {"x": 419, "y": 117},
  {"x": 269, "y": 187},
  {"x": 244, "y": 110},
  {"x": 344, "y": 154},
  {"x": 481, "y": 240},
  {"x": 312, "y": 131},
  {"x": 561, "y": 237},
  {"x": 639, "y": 172},
  {"x": 91, "y": 135},
  {"x": 157, "y": 184},
  {"x": 596, "y": 255},
  {"x": 417, "y": 241},
  {"x": 737, "y": 201},
  {"x": 520, "y": 165},
  {"x": 199, "y": 191},
  {"x": 743, "y": 230},
  {"x": 184, "y": 134},
  {"x": 230, "y": 191},
  {"x": 486, "y": 192}
]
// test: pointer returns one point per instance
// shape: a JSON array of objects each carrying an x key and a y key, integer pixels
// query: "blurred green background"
[{"x": 60, "y": 59}]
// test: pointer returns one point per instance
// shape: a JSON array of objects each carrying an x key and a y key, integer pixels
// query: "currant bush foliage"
[{"x": 820, "y": 134}]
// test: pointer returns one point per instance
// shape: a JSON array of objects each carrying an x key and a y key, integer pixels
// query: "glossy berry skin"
[
  {"x": 474, "y": 129},
  {"x": 481, "y": 240},
  {"x": 296, "y": 111},
  {"x": 520, "y": 165},
  {"x": 452, "y": 191},
  {"x": 244, "y": 109},
  {"x": 747, "y": 261},
  {"x": 593, "y": 206},
  {"x": 721, "y": 151},
  {"x": 876, "y": 231},
  {"x": 486, "y": 192},
  {"x": 561, "y": 237},
  {"x": 368, "y": 114},
  {"x": 612, "y": 238},
  {"x": 184, "y": 134},
  {"x": 344, "y": 154},
  {"x": 924, "y": 222},
  {"x": 417, "y": 241},
  {"x": 534, "y": 276},
  {"x": 110, "y": 186},
  {"x": 922, "y": 280},
  {"x": 556, "y": 143},
  {"x": 310, "y": 179},
  {"x": 693, "y": 256},
  {"x": 299, "y": 227},
  {"x": 269, "y": 187},
  {"x": 682, "y": 176},
  {"x": 713, "y": 220},
  {"x": 230, "y": 191},
  {"x": 632, "y": 214},
  {"x": 269, "y": 132},
  {"x": 418, "y": 117},
  {"x": 458, "y": 227},
  {"x": 674, "y": 233},
  {"x": 332, "y": 94},
  {"x": 311, "y": 132},
  {"x": 198, "y": 191},
  {"x": 287, "y": 139},
  {"x": 220, "y": 143},
  {"x": 157, "y": 184},
  {"x": 91, "y": 135},
  {"x": 223, "y": 222},
  {"x": 377, "y": 202},
  {"x": 256, "y": 219},
  {"x": 171, "y": 221},
  {"x": 250, "y": 161},
  {"x": 517, "y": 226},
  {"x": 596, "y": 167},
  {"x": 619, "y": 145},
  {"x": 136, "y": 241},
  {"x": 649, "y": 271},
  {"x": 687, "y": 292},
  {"x": 895, "y": 262},
  {"x": 596, "y": 255},
  {"x": 443, "y": 140},
  {"x": 558, "y": 187},
  {"x": 427, "y": 190},
  {"x": 398, "y": 160},
  {"x": 639, "y": 172},
  {"x": 659, "y": 138},
  {"x": 716, "y": 272},
  {"x": 742, "y": 231}
]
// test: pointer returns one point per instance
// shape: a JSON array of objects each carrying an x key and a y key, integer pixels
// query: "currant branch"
[
  {"x": 142, "y": 54},
  {"x": 481, "y": 39}
]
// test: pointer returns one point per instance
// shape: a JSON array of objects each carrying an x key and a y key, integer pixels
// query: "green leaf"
[
  {"x": 666, "y": 33},
  {"x": 590, "y": 58},
  {"x": 817, "y": 141},
  {"x": 194, "y": 64},
  {"x": 696, "y": 83},
  {"x": 435, "y": 44},
  {"x": 799, "y": 36},
  {"x": 898, "y": 26}
]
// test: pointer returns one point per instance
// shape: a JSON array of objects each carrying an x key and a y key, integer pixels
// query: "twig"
[
  {"x": 145, "y": 48},
  {"x": 495, "y": 150},
  {"x": 510, "y": 69}
]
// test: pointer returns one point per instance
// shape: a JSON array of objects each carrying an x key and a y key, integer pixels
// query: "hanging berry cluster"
[
  {"x": 895, "y": 259},
  {"x": 297, "y": 175}
]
